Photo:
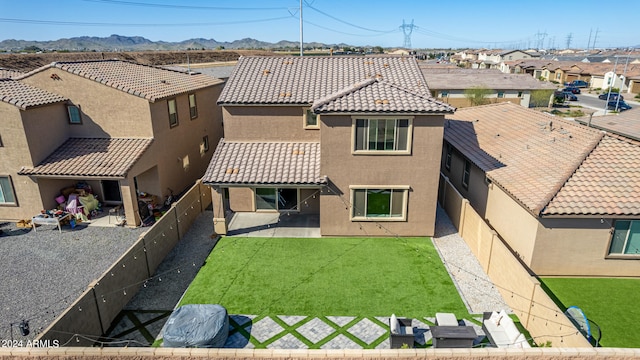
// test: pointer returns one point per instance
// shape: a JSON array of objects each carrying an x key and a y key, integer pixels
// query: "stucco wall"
[
  {"x": 266, "y": 123},
  {"x": 516, "y": 225},
  {"x": 241, "y": 199},
  {"x": 171, "y": 145},
  {"x": 419, "y": 171},
  {"x": 105, "y": 111},
  {"x": 21, "y": 129},
  {"x": 578, "y": 247},
  {"x": 477, "y": 192}
]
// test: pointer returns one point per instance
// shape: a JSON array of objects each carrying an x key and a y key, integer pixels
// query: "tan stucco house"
[
  {"x": 449, "y": 85},
  {"x": 119, "y": 127},
  {"x": 356, "y": 140},
  {"x": 564, "y": 197}
]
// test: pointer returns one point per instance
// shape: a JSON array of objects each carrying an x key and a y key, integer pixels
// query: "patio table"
[{"x": 51, "y": 220}]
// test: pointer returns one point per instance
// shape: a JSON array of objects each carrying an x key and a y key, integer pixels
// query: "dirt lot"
[{"x": 28, "y": 62}]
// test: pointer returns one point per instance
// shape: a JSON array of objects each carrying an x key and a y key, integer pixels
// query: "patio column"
[
  {"x": 219, "y": 220},
  {"x": 130, "y": 203}
]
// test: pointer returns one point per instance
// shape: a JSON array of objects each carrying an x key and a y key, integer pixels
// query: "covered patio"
[{"x": 272, "y": 224}]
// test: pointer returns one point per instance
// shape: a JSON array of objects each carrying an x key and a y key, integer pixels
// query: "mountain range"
[{"x": 138, "y": 43}]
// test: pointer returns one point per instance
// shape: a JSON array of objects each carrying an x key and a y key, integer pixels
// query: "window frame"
[
  {"x": 405, "y": 202},
  {"x": 448, "y": 156},
  {"x": 305, "y": 119},
  {"x": 624, "y": 245},
  {"x": 70, "y": 116},
  {"x": 444, "y": 93},
  {"x": 500, "y": 94},
  {"x": 520, "y": 94},
  {"x": 11, "y": 190},
  {"x": 466, "y": 174},
  {"x": 354, "y": 134},
  {"x": 175, "y": 106},
  {"x": 204, "y": 145},
  {"x": 193, "y": 110}
]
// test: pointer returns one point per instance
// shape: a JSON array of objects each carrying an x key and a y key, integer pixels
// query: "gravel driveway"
[{"x": 44, "y": 271}]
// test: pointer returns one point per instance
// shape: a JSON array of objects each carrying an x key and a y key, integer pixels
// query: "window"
[
  {"x": 444, "y": 94},
  {"x": 266, "y": 199},
  {"x": 500, "y": 94},
  {"x": 466, "y": 174},
  {"x": 173, "y": 112},
  {"x": 185, "y": 162},
  {"x": 519, "y": 94},
  {"x": 204, "y": 145},
  {"x": 626, "y": 238},
  {"x": 447, "y": 161},
  {"x": 7, "y": 197},
  {"x": 1, "y": 142},
  {"x": 379, "y": 204},
  {"x": 310, "y": 120},
  {"x": 74, "y": 114},
  {"x": 193, "y": 108},
  {"x": 382, "y": 136}
]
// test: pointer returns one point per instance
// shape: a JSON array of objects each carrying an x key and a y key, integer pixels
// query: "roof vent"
[
  {"x": 382, "y": 101},
  {"x": 266, "y": 72},
  {"x": 236, "y": 170},
  {"x": 378, "y": 76},
  {"x": 163, "y": 81},
  {"x": 286, "y": 62},
  {"x": 368, "y": 62},
  {"x": 298, "y": 152},
  {"x": 285, "y": 94},
  {"x": 386, "y": 65}
]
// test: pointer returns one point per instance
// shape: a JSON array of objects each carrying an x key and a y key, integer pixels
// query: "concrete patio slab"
[{"x": 273, "y": 224}]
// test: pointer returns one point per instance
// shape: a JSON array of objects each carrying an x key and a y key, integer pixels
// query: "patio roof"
[
  {"x": 91, "y": 157},
  {"x": 274, "y": 163}
]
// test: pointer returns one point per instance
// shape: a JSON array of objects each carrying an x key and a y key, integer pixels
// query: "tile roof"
[
  {"x": 148, "y": 82},
  {"x": 303, "y": 80},
  {"x": 25, "y": 96},
  {"x": 378, "y": 96},
  {"x": 8, "y": 73},
  {"x": 607, "y": 182},
  {"x": 265, "y": 163},
  {"x": 457, "y": 80},
  {"x": 527, "y": 153},
  {"x": 626, "y": 123},
  {"x": 91, "y": 157}
]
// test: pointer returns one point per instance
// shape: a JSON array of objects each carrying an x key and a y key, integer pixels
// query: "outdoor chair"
[{"x": 400, "y": 332}]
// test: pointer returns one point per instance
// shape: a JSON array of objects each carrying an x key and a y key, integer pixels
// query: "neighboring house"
[
  {"x": 449, "y": 85},
  {"x": 626, "y": 123},
  {"x": 120, "y": 127},
  {"x": 564, "y": 197},
  {"x": 354, "y": 139}
]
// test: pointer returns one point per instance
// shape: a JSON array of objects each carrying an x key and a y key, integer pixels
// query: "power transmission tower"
[
  {"x": 569, "y": 40},
  {"x": 595, "y": 38},
  {"x": 589, "y": 42},
  {"x": 407, "y": 29}
]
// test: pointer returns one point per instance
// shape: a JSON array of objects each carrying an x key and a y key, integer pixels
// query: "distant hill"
[{"x": 138, "y": 43}]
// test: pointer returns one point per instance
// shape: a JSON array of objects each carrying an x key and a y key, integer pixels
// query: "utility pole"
[
  {"x": 589, "y": 42},
  {"x": 569, "y": 40},
  {"x": 301, "y": 48},
  {"x": 596, "y": 38},
  {"x": 407, "y": 29}
]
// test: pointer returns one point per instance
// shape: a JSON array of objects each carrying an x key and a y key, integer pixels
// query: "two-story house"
[
  {"x": 354, "y": 139},
  {"x": 119, "y": 127},
  {"x": 564, "y": 197}
]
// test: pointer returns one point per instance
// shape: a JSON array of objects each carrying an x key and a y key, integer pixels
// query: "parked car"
[
  {"x": 568, "y": 95},
  {"x": 612, "y": 96},
  {"x": 572, "y": 89},
  {"x": 618, "y": 105},
  {"x": 579, "y": 83}
]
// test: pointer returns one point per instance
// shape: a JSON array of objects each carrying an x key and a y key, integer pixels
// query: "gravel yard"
[{"x": 44, "y": 271}]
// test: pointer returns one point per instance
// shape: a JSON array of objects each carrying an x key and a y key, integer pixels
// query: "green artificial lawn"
[
  {"x": 610, "y": 303},
  {"x": 326, "y": 277}
]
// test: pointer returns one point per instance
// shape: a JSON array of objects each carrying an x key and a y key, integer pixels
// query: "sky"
[{"x": 427, "y": 23}]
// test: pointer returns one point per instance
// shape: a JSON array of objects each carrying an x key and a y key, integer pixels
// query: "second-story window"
[
  {"x": 310, "y": 120},
  {"x": 466, "y": 174},
  {"x": 382, "y": 136},
  {"x": 500, "y": 94},
  {"x": 74, "y": 114},
  {"x": 447, "y": 162},
  {"x": 193, "y": 108},
  {"x": 173, "y": 112}
]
